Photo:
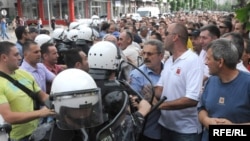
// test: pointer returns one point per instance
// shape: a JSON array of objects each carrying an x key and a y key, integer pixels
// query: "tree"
[{"x": 243, "y": 13}]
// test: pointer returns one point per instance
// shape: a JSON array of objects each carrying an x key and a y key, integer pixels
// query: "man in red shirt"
[{"x": 49, "y": 59}]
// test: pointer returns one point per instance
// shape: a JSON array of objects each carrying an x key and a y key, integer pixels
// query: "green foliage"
[{"x": 243, "y": 14}]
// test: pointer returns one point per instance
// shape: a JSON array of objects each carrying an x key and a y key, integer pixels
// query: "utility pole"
[{"x": 48, "y": 14}]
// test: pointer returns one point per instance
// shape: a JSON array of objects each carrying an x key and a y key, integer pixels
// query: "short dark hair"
[
  {"x": 158, "y": 35},
  {"x": 105, "y": 26},
  {"x": 19, "y": 31},
  {"x": 33, "y": 30},
  {"x": 129, "y": 35},
  {"x": 44, "y": 31},
  {"x": 247, "y": 42},
  {"x": 27, "y": 45},
  {"x": 124, "y": 20},
  {"x": 213, "y": 30},
  {"x": 45, "y": 48},
  {"x": 228, "y": 24},
  {"x": 72, "y": 56},
  {"x": 237, "y": 40},
  {"x": 5, "y": 47}
]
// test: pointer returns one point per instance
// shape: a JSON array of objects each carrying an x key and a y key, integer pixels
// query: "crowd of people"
[{"x": 199, "y": 62}]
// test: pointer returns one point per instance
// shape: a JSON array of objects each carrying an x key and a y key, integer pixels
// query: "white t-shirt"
[
  {"x": 182, "y": 78},
  {"x": 202, "y": 56},
  {"x": 132, "y": 54},
  {"x": 241, "y": 67}
]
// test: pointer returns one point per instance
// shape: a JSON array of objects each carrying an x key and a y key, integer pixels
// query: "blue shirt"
[
  {"x": 227, "y": 100},
  {"x": 137, "y": 82},
  {"x": 20, "y": 48},
  {"x": 40, "y": 73}
]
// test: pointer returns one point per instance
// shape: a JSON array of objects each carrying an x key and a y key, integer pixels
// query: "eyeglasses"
[
  {"x": 149, "y": 53},
  {"x": 190, "y": 29},
  {"x": 222, "y": 27}
]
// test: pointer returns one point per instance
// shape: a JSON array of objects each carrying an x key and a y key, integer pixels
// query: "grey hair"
[
  {"x": 157, "y": 43},
  {"x": 226, "y": 50}
]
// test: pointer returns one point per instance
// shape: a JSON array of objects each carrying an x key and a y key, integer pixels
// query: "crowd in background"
[{"x": 186, "y": 56}]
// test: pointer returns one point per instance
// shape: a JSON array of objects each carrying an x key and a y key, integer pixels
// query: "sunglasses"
[
  {"x": 168, "y": 33},
  {"x": 222, "y": 27}
]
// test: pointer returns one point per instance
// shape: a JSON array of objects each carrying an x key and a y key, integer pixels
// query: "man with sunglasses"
[
  {"x": 181, "y": 82},
  {"x": 225, "y": 27}
]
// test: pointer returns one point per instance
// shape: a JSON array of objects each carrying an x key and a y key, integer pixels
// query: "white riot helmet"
[
  {"x": 72, "y": 35},
  {"x": 73, "y": 25},
  {"x": 42, "y": 39},
  {"x": 59, "y": 34},
  {"x": 105, "y": 56},
  {"x": 83, "y": 25},
  {"x": 88, "y": 33},
  {"x": 95, "y": 20},
  {"x": 76, "y": 100}
]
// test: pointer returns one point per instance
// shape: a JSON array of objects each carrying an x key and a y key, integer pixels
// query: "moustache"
[{"x": 147, "y": 61}]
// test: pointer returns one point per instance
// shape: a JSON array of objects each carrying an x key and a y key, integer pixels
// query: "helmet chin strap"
[{"x": 100, "y": 74}]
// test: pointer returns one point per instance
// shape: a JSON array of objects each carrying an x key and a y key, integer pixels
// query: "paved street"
[{"x": 11, "y": 35}]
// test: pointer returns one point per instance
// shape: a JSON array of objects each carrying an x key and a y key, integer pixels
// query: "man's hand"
[
  {"x": 147, "y": 92},
  {"x": 44, "y": 112},
  {"x": 134, "y": 100},
  {"x": 144, "y": 107}
]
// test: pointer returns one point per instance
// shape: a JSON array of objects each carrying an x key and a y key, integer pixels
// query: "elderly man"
[
  {"x": 153, "y": 53},
  {"x": 130, "y": 51},
  {"x": 225, "y": 100}
]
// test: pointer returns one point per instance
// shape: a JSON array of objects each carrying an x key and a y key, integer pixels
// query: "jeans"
[
  {"x": 168, "y": 135},
  {"x": 4, "y": 34}
]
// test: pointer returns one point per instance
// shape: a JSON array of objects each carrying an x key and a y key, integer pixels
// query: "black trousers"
[{"x": 145, "y": 138}]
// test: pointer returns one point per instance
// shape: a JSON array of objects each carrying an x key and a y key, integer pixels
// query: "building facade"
[{"x": 74, "y": 9}]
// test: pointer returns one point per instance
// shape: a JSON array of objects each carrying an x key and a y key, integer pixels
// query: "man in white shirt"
[
  {"x": 208, "y": 33},
  {"x": 180, "y": 82}
]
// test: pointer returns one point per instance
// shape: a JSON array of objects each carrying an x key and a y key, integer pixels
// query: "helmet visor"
[{"x": 79, "y": 110}]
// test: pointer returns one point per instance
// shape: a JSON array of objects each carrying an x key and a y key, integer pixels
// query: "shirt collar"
[{"x": 28, "y": 66}]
